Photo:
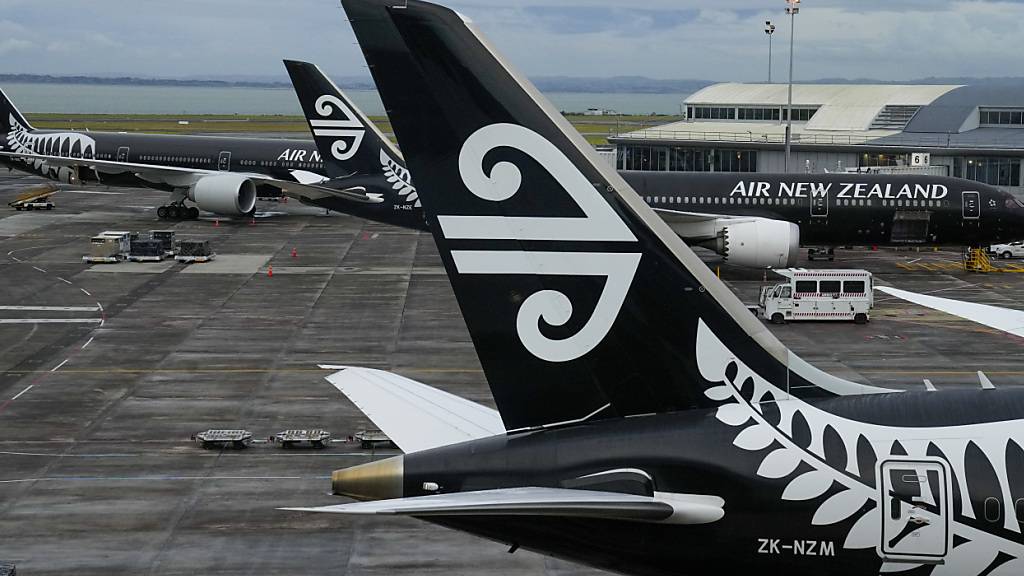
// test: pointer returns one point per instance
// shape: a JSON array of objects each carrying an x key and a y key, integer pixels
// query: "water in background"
[{"x": 101, "y": 99}]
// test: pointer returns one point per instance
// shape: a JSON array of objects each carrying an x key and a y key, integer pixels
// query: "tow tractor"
[
  {"x": 818, "y": 295},
  {"x": 36, "y": 198}
]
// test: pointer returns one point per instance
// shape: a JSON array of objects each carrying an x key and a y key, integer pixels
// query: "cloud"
[{"x": 720, "y": 40}]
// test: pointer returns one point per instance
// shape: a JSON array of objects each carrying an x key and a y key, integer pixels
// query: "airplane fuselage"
[
  {"x": 841, "y": 209},
  {"x": 819, "y": 489}
]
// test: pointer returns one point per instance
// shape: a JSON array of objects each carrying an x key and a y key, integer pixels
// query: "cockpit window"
[{"x": 1014, "y": 203}]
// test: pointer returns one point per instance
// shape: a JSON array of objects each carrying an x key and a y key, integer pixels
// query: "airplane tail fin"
[
  {"x": 349, "y": 143},
  {"x": 581, "y": 302},
  {"x": 11, "y": 120}
]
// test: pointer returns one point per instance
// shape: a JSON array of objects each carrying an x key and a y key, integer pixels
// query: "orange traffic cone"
[
  {"x": 270, "y": 271},
  {"x": 253, "y": 221},
  {"x": 295, "y": 253},
  {"x": 216, "y": 223}
]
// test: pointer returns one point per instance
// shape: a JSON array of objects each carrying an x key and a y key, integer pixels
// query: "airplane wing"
[
  {"x": 415, "y": 416},
  {"x": 564, "y": 502},
  {"x": 183, "y": 177},
  {"x": 1005, "y": 319}
]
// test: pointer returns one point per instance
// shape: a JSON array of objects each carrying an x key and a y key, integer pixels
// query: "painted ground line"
[
  {"x": 18, "y": 395},
  {"x": 52, "y": 308},
  {"x": 40, "y": 269},
  {"x": 51, "y": 321},
  {"x": 86, "y": 345},
  {"x": 84, "y": 291},
  {"x": 58, "y": 366},
  {"x": 64, "y": 280}
]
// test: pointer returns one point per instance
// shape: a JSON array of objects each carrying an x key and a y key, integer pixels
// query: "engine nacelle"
[
  {"x": 757, "y": 242},
  {"x": 224, "y": 194}
]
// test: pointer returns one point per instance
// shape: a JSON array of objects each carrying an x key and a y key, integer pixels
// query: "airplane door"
[
  {"x": 819, "y": 206},
  {"x": 224, "y": 161},
  {"x": 122, "y": 154},
  {"x": 972, "y": 205},
  {"x": 915, "y": 510}
]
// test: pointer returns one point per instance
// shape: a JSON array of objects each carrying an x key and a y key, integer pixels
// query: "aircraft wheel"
[
  {"x": 193, "y": 213},
  {"x": 161, "y": 212},
  {"x": 860, "y": 319},
  {"x": 778, "y": 318},
  {"x": 172, "y": 212}
]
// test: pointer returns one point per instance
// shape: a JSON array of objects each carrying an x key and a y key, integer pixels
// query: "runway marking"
[
  {"x": 86, "y": 345},
  {"x": 53, "y": 308},
  {"x": 84, "y": 291},
  {"x": 19, "y": 394},
  {"x": 58, "y": 366},
  {"x": 51, "y": 321},
  {"x": 40, "y": 269},
  {"x": 98, "y": 305},
  {"x": 113, "y": 370},
  {"x": 64, "y": 280},
  {"x": 156, "y": 478}
]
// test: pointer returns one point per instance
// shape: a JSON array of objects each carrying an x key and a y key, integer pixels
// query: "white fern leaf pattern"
[
  {"x": 836, "y": 459},
  {"x": 400, "y": 179}
]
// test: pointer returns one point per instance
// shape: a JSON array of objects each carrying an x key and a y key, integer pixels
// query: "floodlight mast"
[
  {"x": 769, "y": 29},
  {"x": 792, "y": 9}
]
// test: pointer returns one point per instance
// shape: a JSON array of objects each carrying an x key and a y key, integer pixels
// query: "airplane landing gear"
[{"x": 177, "y": 212}]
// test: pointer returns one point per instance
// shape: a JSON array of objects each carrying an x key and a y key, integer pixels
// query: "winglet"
[
  {"x": 928, "y": 385},
  {"x": 986, "y": 384}
]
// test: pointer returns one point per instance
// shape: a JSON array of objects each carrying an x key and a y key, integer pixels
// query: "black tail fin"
[
  {"x": 11, "y": 119},
  {"x": 349, "y": 143},
  {"x": 581, "y": 302}
]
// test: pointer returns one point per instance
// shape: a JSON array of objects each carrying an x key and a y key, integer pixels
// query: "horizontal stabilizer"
[
  {"x": 415, "y": 416},
  {"x": 563, "y": 502},
  {"x": 1006, "y": 319}
]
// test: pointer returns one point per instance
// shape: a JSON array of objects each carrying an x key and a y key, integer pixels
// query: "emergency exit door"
[
  {"x": 819, "y": 206},
  {"x": 972, "y": 205},
  {"x": 224, "y": 161},
  {"x": 915, "y": 510}
]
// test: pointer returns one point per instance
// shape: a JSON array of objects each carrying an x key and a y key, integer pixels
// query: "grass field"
[{"x": 595, "y": 129}]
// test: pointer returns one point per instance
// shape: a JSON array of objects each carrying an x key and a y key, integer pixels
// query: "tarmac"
[{"x": 106, "y": 371}]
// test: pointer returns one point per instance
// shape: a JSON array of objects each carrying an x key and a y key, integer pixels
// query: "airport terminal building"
[{"x": 971, "y": 132}]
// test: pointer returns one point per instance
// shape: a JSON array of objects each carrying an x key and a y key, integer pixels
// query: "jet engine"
[
  {"x": 756, "y": 242},
  {"x": 224, "y": 194}
]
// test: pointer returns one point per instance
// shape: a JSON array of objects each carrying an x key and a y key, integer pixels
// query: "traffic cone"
[
  {"x": 253, "y": 221},
  {"x": 216, "y": 223},
  {"x": 270, "y": 271},
  {"x": 295, "y": 253}
]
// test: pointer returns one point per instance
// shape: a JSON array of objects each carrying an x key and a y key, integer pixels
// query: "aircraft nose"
[{"x": 380, "y": 480}]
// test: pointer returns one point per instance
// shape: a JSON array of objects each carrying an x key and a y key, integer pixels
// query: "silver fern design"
[
  {"x": 836, "y": 463},
  {"x": 400, "y": 179},
  {"x": 63, "y": 144}
]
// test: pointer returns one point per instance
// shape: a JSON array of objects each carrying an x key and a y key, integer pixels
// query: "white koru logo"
[
  {"x": 347, "y": 128},
  {"x": 400, "y": 179},
  {"x": 601, "y": 224}
]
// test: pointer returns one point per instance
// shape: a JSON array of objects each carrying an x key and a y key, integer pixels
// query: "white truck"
[
  {"x": 819, "y": 295},
  {"x": 1007, "y": 251}
]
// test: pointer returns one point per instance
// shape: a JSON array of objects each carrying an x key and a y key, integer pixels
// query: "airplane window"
[{"x": 992, "y": 512}]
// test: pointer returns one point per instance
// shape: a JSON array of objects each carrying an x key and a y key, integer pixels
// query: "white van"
[{"x": 819, "y": 295}]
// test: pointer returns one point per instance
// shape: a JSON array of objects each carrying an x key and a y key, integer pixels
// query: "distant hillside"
[{"x": 616, "y": 84}]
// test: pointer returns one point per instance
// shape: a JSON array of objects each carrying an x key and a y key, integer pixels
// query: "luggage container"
[
  {"x": 819, "y": 295},
  {"x": 166, "y": 238},
  {"x": 148, "y": 250},
  {"x": 104, "y": 250},
  {"x": 194, "y": 251}
]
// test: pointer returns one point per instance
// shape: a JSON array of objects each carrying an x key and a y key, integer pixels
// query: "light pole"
[
  {"x": 769, "y": 29},
  {"x": 792, "y": 8}
]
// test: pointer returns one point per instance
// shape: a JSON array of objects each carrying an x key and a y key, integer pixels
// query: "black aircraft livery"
[
  {"x": 649, "y": 424},
  {"x": 757, "y": 220},
  {"x": 220, "y": 175}
]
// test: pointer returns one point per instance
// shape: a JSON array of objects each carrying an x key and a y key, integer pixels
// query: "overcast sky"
[{"x": 712, "y": 39}]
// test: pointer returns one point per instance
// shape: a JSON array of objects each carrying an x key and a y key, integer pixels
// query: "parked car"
[{"x": 1011, "y": 250}]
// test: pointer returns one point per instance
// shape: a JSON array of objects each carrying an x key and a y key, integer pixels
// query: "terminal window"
[
  {"x": 1002, "y": 117},
  {"x": 993, "y": 170},
  {"x": 799, "y": 114},
  {"x": 711, "y": 113}
]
